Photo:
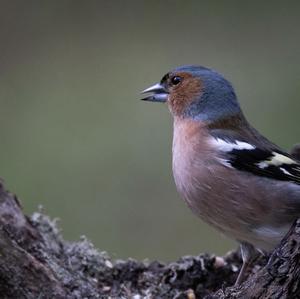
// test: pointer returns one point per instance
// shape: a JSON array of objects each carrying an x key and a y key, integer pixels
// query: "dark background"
[{"x": 76, "y": 139}]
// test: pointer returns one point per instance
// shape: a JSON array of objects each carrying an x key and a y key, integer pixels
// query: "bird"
[{"x": 229, "y": 174}]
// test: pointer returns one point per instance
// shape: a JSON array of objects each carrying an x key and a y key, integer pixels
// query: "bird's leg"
[{"x": 249, "y": 254}]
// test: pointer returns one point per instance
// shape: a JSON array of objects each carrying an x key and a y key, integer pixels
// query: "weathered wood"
[
  {"x": 279, "y": 279},
  {"x": 35, "y": 262}
]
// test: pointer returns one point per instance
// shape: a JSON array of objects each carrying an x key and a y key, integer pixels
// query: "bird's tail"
[{"x": 295, "y": 151}]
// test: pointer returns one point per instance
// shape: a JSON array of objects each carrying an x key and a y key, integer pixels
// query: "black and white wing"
[{"x": 271, "y": 163}]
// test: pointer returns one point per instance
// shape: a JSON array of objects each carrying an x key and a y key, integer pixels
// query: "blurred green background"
[{"x": 76, "y": 139}]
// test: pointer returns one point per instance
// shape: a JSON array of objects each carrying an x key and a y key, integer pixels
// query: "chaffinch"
[{"x": 228, "y": 173}]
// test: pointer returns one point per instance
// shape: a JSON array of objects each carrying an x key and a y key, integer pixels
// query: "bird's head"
[{"x": 195, "y": 92}]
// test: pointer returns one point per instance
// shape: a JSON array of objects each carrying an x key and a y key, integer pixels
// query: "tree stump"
[{"x": 35, "y": 262}]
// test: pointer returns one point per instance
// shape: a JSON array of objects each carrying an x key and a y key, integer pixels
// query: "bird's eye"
[{"x": 176, "y": 80}]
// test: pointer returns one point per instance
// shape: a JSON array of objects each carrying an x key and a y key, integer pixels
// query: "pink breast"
[{"x": 191, "y": 153}]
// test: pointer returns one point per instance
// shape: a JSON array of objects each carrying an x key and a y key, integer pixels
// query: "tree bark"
[{"x": 35, "y": 262}]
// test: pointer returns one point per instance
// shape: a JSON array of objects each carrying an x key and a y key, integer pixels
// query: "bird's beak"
[{"x": 159, "y": 93}]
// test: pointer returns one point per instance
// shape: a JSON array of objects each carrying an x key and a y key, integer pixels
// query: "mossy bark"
[{"x": 35, "y": 262}]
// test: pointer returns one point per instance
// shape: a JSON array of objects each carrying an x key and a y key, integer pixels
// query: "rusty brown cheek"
[{"x": 184, "y": 95}]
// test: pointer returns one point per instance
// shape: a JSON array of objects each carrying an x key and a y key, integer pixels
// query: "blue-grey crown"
[{"x": 217, "y": 100}]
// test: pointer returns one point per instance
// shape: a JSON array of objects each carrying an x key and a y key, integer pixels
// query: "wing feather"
[{"x": 271, "y": 163}]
